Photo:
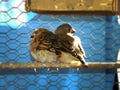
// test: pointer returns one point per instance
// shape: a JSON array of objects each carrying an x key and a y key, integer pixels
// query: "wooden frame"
[
  {"x": 33, "y": 65},
  {"x": 76, "y": 7}
]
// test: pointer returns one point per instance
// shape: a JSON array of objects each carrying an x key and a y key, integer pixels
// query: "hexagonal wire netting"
[{"x": 100, "y": 37}]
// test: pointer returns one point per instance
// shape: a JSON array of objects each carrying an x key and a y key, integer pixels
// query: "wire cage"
[{"x": 100, "y": 37}]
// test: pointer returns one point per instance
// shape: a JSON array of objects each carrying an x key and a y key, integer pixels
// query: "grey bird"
[{"x": 71, "y": 43}]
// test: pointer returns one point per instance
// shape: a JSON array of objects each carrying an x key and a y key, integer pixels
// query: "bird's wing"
[
  {"x": 44, "y": 39},
  {"x": 67, "y": 43},
  {"x": 72, "y": 45}
]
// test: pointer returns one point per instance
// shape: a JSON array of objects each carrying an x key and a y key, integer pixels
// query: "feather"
[
  {"x": 71, "y": 43},
  {"x": 46, "y": 47}
]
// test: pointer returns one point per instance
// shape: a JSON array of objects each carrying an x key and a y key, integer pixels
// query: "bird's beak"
[
  {"x": 73, "y": 30},
  {"x": 32, "y": 36}
]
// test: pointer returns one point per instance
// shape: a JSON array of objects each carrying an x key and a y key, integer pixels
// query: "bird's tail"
[{"x": 82, "y": 60}]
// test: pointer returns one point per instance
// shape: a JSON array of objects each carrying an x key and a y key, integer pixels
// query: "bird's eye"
[{"x": 69, "y": 29}]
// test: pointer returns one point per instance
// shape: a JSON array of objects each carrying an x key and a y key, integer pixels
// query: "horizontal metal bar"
[{"x": 39, "y": 65}]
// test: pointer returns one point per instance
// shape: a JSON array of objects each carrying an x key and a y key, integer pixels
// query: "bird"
[
  {"x": 70, "y": 42},
  {"x": 44, "y": 46},
  {"x": 47, "y": 47}
]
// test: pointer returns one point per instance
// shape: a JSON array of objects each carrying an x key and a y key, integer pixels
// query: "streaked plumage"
[
  {"x": 71, "y": 43},
  {"x": 46, "y": 47}
]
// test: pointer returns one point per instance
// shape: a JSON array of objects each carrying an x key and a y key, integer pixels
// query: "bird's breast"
[{"x": 44, "y": 56}]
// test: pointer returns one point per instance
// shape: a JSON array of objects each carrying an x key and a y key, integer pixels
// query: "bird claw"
[
  {"x": 35, "y": 62},
  {"x": 53, "y": 70},
  {"x": 35, "y": 70},
  {"x": 78, "y": 69}
]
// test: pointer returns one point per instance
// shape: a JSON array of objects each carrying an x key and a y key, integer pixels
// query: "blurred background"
[{"x": 100, "y": 36}]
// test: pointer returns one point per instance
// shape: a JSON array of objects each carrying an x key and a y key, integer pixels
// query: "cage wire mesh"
[{"x": 100, "y": 37}]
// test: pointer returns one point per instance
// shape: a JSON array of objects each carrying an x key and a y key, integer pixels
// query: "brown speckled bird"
[
  {"x": 46, "y": 47},
  {"x": 71, "y": 43}
]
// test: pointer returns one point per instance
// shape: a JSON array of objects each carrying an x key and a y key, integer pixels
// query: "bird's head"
[
  {"x": 39, "y": 32},
  {"x": 34, "y": 33},
  {"x": 65, "y": 29}
]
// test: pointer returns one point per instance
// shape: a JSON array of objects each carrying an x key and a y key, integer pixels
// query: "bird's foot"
[{"x": 36, "y": 62}]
